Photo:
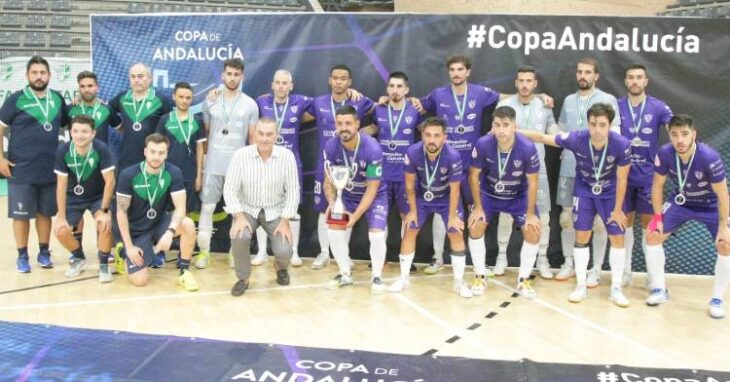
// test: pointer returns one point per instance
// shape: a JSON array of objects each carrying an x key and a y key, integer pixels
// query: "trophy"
[{"x": 340, "y": 177}]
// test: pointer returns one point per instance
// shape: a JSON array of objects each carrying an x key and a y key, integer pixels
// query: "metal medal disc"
[
  {"x": 679, "y": 199},
  {"x": 225, "y": 131},
  {"x": 460, "y": 129},
  {"x": 499, "y": 186},
  {"x": 392, "y": 146},
  {"x": 78, "y": 189},
  {"x": 137, "y": 126},
  {"x": 428, "y": 196},
  {"x": 47, "y": 126},
  {"x": 279, "y": 140},
  {"x": 151, "y": 214},
  {"x": 636, "y": 141},
  {"x": 597, "y": 189}
]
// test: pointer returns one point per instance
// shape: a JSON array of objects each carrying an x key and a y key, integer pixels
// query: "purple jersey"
[
  {"x": 394, "y": 145},
  {"x": 365, "y": 162},
  {"x": 446, "y": 168},
  {"x": 706, "y": 168},
  {"x": 643, "y": 122},
  {"x": 288, "y": 117},
  {"x": 522, "y": 160},
  {"x": 322, "y": 109},
  {"x": 465, "y": 128},
  {"x": 618, "y": 153}
]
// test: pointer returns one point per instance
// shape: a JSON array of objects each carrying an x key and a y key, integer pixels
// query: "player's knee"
[
  {"x": 566, "y": 219},
  {"x": 723, "y": 248},
  {"x": 188, "y": 226},
  {"x": 653, "y": 238},
  {"x": 531, "y": 236},
  {"x": 478, "y": 230},
  {"x": 139, "y": 278},
  {"x": 63, "y": 233}
]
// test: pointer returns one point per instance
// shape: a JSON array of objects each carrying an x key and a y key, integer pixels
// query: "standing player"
[
  {"x": 143, "y": 197},
  {"x": 92, "y": 106},
  {"x": 289, "y": 111},
  {"x": 602, "y": 165},
  {"x": 503, "y": 178},
  {"x": 642, "y": 116},
  {"x": 572, "y": 118},
  {"x": 364, "y": 195},
  {"x": 433, "y": 177},
  {"x": 531, "y": 115},
  {"x": 34, "y": 116},
  {"x": 229, "y": 122},
  {"x": 700, "y": 194},
  {"x": 87, "y": 162},
  {"x": 323, "y": 108}
]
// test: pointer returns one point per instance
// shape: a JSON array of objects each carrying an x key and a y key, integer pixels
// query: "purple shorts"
[
  {"x": 675, "y": 216},
  {"x": 376, "y": 215},
  {"x": 517, "y": 208},
  {"x": 397, "y": 195},
  {"x": 425, "y": 209},
  {"x": 638, "y": 198},
  {"x": 585, "y": 210},
  {"x": 466, "y": 196}
]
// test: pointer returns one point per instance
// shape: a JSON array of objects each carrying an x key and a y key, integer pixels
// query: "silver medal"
[
  {"x": 279, "y": 140},
  {"x": 225, "y": 131},
  {"x": 636, "y": 141},
  {"x": 47, "y": 126},
  {"x": 78, "y": 189},
  {"x": 428, "y": 196},
  {"x": 460, "y": 129},
  {"x": 137, "y": 126},
  {"x": 392, "y": 146},
  {"x": 597, "y": 189},
  {"x": 679, "y": 199},
  {"x": 151, "y": 214},
  {"x": 499, "y": 186}
]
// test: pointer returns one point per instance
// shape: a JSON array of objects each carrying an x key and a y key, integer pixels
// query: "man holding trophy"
[{"x": 353, "y": 164}]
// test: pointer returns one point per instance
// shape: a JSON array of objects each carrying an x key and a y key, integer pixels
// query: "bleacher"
[{"x": 698, "y": 8}]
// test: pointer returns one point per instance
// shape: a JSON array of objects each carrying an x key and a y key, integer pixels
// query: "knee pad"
[{"x": 566, "y": 219}]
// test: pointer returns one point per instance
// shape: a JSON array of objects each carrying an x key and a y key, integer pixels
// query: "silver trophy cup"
[{"x": 340, "y": 176}]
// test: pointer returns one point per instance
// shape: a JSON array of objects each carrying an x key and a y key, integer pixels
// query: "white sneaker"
[
  {"x": 524, "y": 288},
  {"x": 618, "y": 298},
  {"x": 543, "y": 268},
  {"x": 478, "y": 285},
  {"x": 399, "y": 285},
  {"x": 434, "y": 268},
  {"x": 295, "y": 261},
  {"x": 231, "y": 261},
  {"x": 203, "y": 260},
  {"x": 566, "y": 273},
  {"x": 627, "y": 279},
  {"x": 579, "y": 294},
  {"x": 717, "y": 308},
  {"x": 105, "y": 275},
  {"x": 260, "y": 258},
  {"x": 462, "y": 289},
  {"x": 377, "y": 286},
  {"x": 339, "y": 281},
  {"x": 594, "y": 278},
  {"x": 321, "y": 260},
  {"x": 77, "y": 266},
  {"x": 657, "y": 297},
  {"x": 501, "y": 265}
]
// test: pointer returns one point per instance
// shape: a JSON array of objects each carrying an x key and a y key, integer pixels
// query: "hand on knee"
[
  {"x": 723, "y": 248},
  {"x": 653, "y": 238}
]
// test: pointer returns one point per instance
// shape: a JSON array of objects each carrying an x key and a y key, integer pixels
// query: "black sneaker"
[
  {"x": 282, "y": 277},
  {"x": 239, "y": 288}
]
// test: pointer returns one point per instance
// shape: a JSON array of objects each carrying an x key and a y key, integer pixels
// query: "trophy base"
[{"x": 338, "y": 219}]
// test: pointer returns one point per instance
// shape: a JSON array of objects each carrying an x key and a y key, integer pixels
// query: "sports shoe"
[
  {"x": 260, "y": 258},
  {"x": 23, "y": 264},
  {"x": 579, "y": 294},
  {"x": 377, "y": 286},
  {"x": 658, "y": 296},
  {"x": 231, "y": 261},
  {"x": 295, "y": 261},
  {"x": 524, "y": 288},
  {"x": 618, "y": 298},
  {"x": 434, "y": 268},
  {"x": 321, "y": 261},
  {"x": 339, "y": 281},
  {"x": 413, "y": 269},
  {"x": 462, "y": 289},
  {"x": 71, "y": 259},
  {"x": 543, "y": 268},
  {"x": 593, "y": 278},
  {"x": 187, "y": 280},
  {"x": 203, "y": 260},
  {"x": 282, "y": 277},
  {"x": 105, "y": 275},
  {"x": 44, "y": 259},
  {"x": 566, "y": 272},
  {"x": 399, "y": 285},
  {"x": 159, "y": 261},
  {"x": 627, "y": 279},
  {"x": 500, "y": 265},
  {"x": 239, "y": 288},
  {"x": 119, "y": 263},
  {"x": 77, "y": 266},
  {"x": 717, "y": 308},
  {"x": 478, "y": 285}
]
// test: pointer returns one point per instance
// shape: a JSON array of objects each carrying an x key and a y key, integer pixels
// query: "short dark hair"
[
  {"x": 590, "y": 61},
  {"x": 681, "y": 120},
  {"x": 87, "y": 74},
  {"x": 235, "y": 63},
  {"x": 182, "y": 85},
  {"x": 601, "y": 110},
  {"x": 346, "y": 110},
  {"x": 83, "y": 119},
  {"x": 37, "y": 60},
  {"x": 634, "y": 67},
  {"x": 458, "y": 59},
  {"x": 156, "y": 138},
  {"x": 505, "y": 112},
  {"x": 527, "y": 69},
  {"x": 400, "y": 75},
  {"x": 432, "y": 121},
  {"x": 341, "y": 67}
]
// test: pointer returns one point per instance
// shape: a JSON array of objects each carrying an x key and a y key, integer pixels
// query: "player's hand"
[
  {"x": 61, "y": 222},
  {"x": 618, "y": 217},
  {"x": 351, "y": 219},
  {"x": 135, "y": 255},
  {"x": 476, "y": 216},
  {"x": 410, "y": 221},
  {"x": 723, "y": 235},
  {"x": 455, "y": 224},
  {"x": 165, "y": 242},
  {"x": 284, "y": 230},
  {"x": 213, "y": 95},
  {"x": 532, "y": 222},
  {"x": 656, "y": 224},
  {"x": 547, "y": 100},
  {"x": 5, "y": 167},
  {"x": 417, "y": 104},
  {"x": 354, "y": 94},
  {"x": 383, "y": 100},
  {"x": 240, "y": 223},
  {"x": 103, "y": 222},
  {"x": 198, "y": 183}
]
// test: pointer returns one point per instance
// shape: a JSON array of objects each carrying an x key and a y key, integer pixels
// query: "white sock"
[
  {"x": 617, "y": 258},
  {"x": 377, "y": 252},
  {"x": 478, "y": 251},
  {"x": 322, "y": 231},
  {"x": 567, "y": 237},
  {"x": 504, "y": 231},
  {"x": 600, "y": 242},
  {"x": 294, "y": 225},
  {"x": 262, "y": 238},
  {"x": 655, "y": 259},
  {"x": 205, "y": 226},
  {"x": 406, "y": 259},
  {"x": 629, "y": 245},
  {"x": 439, "y": 238},
  {"x": 528, "y": 254},
  {"x": 458, "y": 264},
  {"x": 722, "y": 276},
  {"x": 340, "y": 249},
  {"x": 581, "y": 257}
]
